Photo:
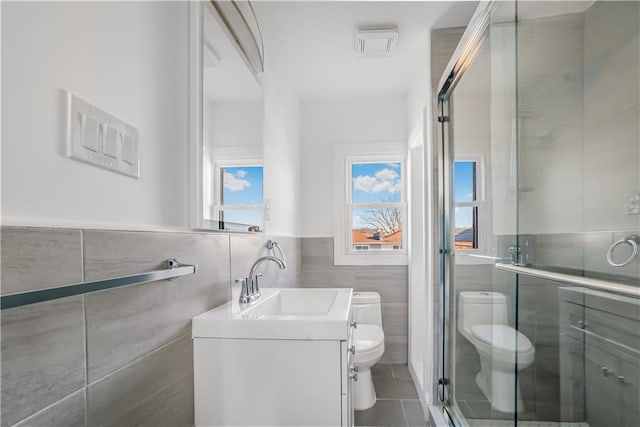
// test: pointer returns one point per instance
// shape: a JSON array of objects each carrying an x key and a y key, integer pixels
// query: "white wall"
[
  {"x": 282, "y": 153},
  {"x": 129, "y": 58},
  {"x": 419, "y": 290},
  {"x": 328, "y": 122},
  {"x": 233, "y": 124}
]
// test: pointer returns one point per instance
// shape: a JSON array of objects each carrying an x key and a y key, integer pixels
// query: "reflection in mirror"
[{"x": 232, "y": 110}]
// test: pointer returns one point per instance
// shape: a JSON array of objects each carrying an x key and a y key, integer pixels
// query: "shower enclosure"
[{"x": 539, "y": 216}]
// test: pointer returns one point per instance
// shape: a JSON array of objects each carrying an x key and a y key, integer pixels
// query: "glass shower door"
[{"x": 478, "y": 172}]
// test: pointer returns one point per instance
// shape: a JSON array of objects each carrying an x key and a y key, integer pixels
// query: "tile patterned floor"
[{"x": 397, "y": 404}]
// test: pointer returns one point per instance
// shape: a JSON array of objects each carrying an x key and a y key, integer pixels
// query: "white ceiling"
[{"x": 312, "y": 43}]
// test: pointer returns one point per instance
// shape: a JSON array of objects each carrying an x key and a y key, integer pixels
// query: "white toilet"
[
  {"x": 483, "y": 320},
  {"x": 368, "y": 340}
]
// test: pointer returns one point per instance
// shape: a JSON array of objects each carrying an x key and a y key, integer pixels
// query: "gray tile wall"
[
  {"x": 391, "y": 282},
  {"x": 117, "y": 357}
]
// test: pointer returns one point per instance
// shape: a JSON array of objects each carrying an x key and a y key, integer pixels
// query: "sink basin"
[{"x": 297, "y": 313}]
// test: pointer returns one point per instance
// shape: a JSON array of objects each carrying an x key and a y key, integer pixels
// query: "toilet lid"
[
  {"x": 367, "y": 337},
  {"x": 501, "y": 337}
]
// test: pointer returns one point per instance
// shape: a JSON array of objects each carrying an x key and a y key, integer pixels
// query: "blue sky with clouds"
[
  {"x": 374, "y": 182},
  {"x": 243, "y": 185},
  {"x": 463, "y": 192}
]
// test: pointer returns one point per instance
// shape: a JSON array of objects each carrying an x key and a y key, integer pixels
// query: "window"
[
  {"x": 468, "y": 203},
  {"x": 370, "y": 204},
  {"x": 375, "y": 205},
  {"x": 239, "y": 199}
]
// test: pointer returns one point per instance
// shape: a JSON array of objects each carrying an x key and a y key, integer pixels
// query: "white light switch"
[
  {"x": 90, "y": 133},
  {"x": 110, "y": 146},
  {"x": 101, "y": 139},
  {"x": 128, "y": 149}
]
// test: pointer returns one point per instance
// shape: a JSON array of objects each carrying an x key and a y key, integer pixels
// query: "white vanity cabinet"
[{"x": 267, "y": 373}]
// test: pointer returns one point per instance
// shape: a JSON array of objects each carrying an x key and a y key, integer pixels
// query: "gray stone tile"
[
  {"x": 563, "y": 250},
  {"x": 395, "y": 350},
  {"x": 327, "y": 279},
  {"x": 247, "y": 248},
  {"x": 35, "y": 258},
  {"x": 69, "y": 412},
  {"x": 157, "y": 387},
  {"x": 414, "y": 413},
  {"x": 43, "y": 357},
  {"x": 480, "y": 408},
  {"x": 401, "y": 372},
  {"x": 170, "y": 407},
  {"x": 382, "y": 370},
  {"x": 390, "y": 282},
  {"x": 395, "y": 319},
  {"x": 391, "y": 388},
  {"x": 126, "y": 323},
  {"x": 317, "y": 252},
  {"x": 387, "y": 413}
]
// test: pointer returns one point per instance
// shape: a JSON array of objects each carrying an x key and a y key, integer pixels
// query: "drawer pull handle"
[
  {"x": 352, "y": 349},
  {"x": 354, "y": 325},
  {"x": 623, "y": 380},
  {"x": 607, "y": 372}
]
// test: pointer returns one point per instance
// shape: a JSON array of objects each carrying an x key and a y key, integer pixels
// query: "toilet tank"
[
  {"x": 366, "y": 309},
  {"x": 482, "y": 307}
]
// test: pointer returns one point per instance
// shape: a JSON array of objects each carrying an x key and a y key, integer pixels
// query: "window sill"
[{"x": 372, "y": 260}]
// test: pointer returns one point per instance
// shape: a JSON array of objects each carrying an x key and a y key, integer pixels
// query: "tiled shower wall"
[
  {"x": 391, "y": 282},
  {"x": 122, "y": 356}
]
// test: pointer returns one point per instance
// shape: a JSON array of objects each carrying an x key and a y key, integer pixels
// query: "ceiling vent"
[{"x": 376, "y": 42}]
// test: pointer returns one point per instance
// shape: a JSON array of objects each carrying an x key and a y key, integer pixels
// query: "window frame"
[
  {"x": 479, "y": 203},
  {"x": 345, "y": 155},
  {"x": 218, "y": 183}
]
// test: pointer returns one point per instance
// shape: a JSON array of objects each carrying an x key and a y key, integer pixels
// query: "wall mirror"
[{"x": 229, "y": 158}]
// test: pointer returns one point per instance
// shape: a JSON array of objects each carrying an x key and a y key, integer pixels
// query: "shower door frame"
[{"x": 442, "y": 257}]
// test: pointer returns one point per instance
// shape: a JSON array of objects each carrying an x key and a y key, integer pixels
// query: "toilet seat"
[
  {"x": 502, "y": 337},
  {"x": 369, "y": 342}
]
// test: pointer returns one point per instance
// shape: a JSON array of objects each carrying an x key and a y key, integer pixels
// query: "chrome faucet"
[{"x": 250, "y": 291}]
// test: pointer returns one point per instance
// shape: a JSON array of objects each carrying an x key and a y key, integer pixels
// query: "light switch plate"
[{"x": 97, "y": 137}]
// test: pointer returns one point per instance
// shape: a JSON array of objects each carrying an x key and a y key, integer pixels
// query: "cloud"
[
  {"x": 386, "y": 175},
  {"x": 364, "y": 183},
  {"x": 241, "y": 173},
  {"x": 383, "y": 180},
  {"x": 394, "y": 165},
  {"x": 234, "y": 184},
  {"x": 395, "y": 187}
]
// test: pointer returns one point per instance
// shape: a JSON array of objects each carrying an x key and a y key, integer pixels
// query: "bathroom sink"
[{"x": 296, "y": 313}]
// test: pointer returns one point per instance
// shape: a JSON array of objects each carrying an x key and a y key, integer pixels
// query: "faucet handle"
[
  {"x": 255, "y": 289},
  {"x": 244, "y": 291}
]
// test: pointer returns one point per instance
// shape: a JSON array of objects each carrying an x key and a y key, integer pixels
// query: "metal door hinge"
[
  {"x": 443, "y": 381},
  {"x": 443, "y": 119}
]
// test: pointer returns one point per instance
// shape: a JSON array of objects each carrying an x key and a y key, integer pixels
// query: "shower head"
[{"x": 531, "y": 95}]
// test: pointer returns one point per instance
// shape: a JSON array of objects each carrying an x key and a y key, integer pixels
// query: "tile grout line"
[
  {"x": 46, "y": 408},
  {"x": 85, "y": 332},
  {"x": 137, "y": 359}
]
